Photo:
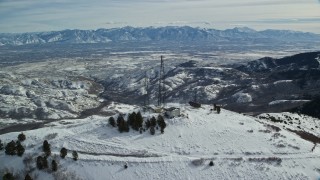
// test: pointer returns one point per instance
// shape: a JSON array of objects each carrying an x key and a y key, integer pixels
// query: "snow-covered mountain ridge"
[
  {"x": 169, "y": 33},
  {"x": 264, "y": 85},
  {"x": 241, "y": 147}
]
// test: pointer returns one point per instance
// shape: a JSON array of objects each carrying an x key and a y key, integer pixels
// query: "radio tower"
[
  {"x": 146, "y": 86},
  {"x": 161, "y": 84}
]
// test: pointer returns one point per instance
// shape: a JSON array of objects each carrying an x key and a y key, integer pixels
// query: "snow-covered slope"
[
  {"x": 241, "y": 147},
  {"x": 40, "y": 97}
]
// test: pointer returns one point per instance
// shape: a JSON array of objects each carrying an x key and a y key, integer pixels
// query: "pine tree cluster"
[
  {"x": 14, "y": 148},
  {"x": 136, "y": 122},
  {"x": 42, "y": 162},
  {"x": 10, "y": 148}
]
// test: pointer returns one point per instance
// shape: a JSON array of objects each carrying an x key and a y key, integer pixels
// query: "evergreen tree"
[
  {"x": 123, "y": 126},
  {"x": 21, "y": 137},
  {"x": 135, "y": 120},
  {"x": 139, "y": 120},
  {"x": 46, "y": 148},
  {"x": 126, "y": 126},
  {"x": 63, "y": 152},
  {"x": 75, "y": 155},
  {"x": 162, "y": 130},
  {"x": 28, "y": 177},
  {"x": 132, "y": 120},
  {"x": 119, "y": 119},
  {"x": 153, "y": 121},
  {"x": 129, "y": 120},
  {"x": 218, "y": 109},
  {"x": 152, "y": 130},
  {"x": 148, "y": 124},
  {"x": 45, "y": 162},
  {"x": 161, "y": 123},
  {"x": 160, "y": 120},
  {"x": 112, "y": 122},
  {"x": 20, "y": 149},
  {"x": 120, "y": 123},
  {"x": 211, "y": 163},
  {"x": 42, "y": 162},
  {"x": 39, "y": 162},
  {"x": 10, "y": 148},
  {"x": 54, "y": 165},
  {"x": 1, "y": 145},
  {"x": 8, "y": 176}
]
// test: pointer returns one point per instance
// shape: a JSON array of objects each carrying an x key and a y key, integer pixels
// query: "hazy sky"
[{"x": 47, "y": 15}]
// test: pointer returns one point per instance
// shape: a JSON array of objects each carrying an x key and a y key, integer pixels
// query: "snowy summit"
[{"x": 198, "y": 144}]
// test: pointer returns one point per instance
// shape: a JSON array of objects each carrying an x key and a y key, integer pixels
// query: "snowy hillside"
[
  {"x": 241, "y": 147},
  {"x": 39, "y": 97}
]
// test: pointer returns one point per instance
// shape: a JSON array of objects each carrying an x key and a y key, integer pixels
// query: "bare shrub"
[
  {"x": 238, "y": 159},
  {"x": 272, "y": 127},
  {"x": 51, "y": 136},
  {"x": 294, "y": 147},
  {"x": 265, "y": 131},
  {"x": 276, "y": 135},
  {"x": 20, "y": 174},
  {"x": 28, "y": 162},
  {"x": 198, "y": 162},
  {"x": 65, "y": 175},
  {"x": 268, "y": 160},
  {"x": 281, "y": 145}
]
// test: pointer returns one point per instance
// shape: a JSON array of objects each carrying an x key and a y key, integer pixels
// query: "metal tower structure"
[
  {"x": 161, "y": 95},
  {"x": 146, "y": 86}
]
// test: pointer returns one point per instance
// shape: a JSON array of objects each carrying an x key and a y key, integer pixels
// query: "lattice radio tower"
[
  {"x": 161, "y": 95},
  {"x": 146, "y": 85}
]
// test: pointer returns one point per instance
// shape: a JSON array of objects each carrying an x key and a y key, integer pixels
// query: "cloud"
[
  {"x": 113, "y": 22},
  {"x": 288, "y": 21},
  {"x": 44, "y": 15}
]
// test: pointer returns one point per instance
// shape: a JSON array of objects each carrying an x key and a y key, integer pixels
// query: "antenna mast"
[
  {"x": 161, "y": 84},
  {"x": 146, "y": 86}
]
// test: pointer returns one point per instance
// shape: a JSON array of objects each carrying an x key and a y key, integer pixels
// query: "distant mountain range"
[{"x": 169, "y": 33}]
